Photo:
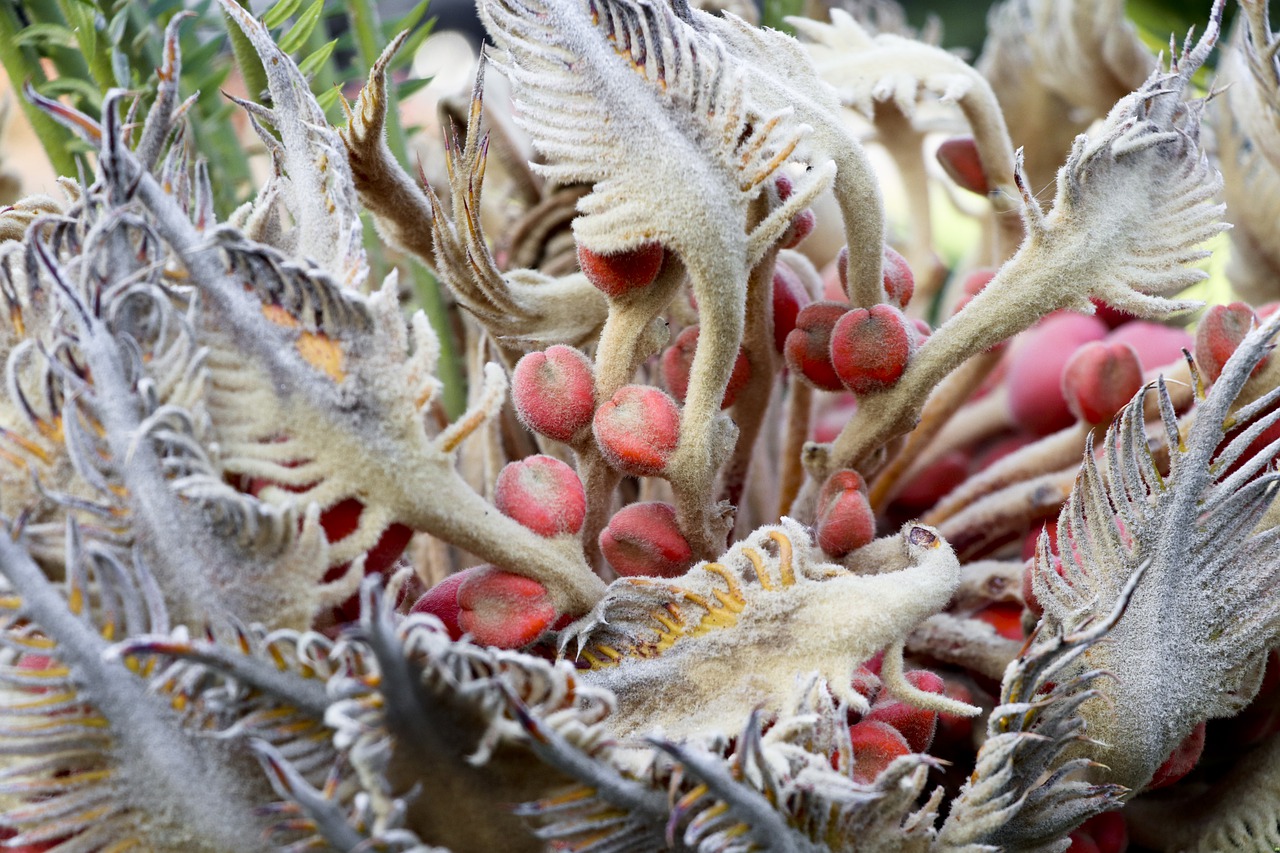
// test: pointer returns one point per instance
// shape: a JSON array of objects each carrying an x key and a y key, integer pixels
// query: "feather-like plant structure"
[
  {"x": 871, "y": 72},
  {"x": 1056, "y": 68},
  {"x": 1247, "y": 125},
  {"x": 118, "y": 379},
  {"x": 783, "y": 787},
  {"x": 745, "y": 631},
  {"x": 315, "y": 388},
  {"x": 428, "y": 744},
  {"x": 1190, "y": 645},
  {"x": 628, "y": 96},
  {"x": 1134, "y": 200},
  {"x": 522, "y": 308},
  {"x": 1026, "y": 792},
  {"x": 1240, "y": 811},
  {"x": 781, "y": 75},
  {"x": 318, "y": 189},
  {"x": 95, "y": 759}
]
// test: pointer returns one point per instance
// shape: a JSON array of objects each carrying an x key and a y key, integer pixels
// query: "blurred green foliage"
[{"x": 964, "y": 22}]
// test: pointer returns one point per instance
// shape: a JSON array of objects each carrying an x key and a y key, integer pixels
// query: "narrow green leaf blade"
[
  {"x": 293, "y": 40},
  {"x": 280, "y": 12},
  {"x": 317, "y": 59}
]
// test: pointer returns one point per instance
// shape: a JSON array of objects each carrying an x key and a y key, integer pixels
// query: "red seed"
[
  {"x": 620, "y": 273},
  {"x": 789, "y": 297},
  {"x": 934, "y": 482},
  {"x": 801, "y": 226},
  {"x": 1156, "y": 344},
  {"x": 1219, "y": 334},
  {"x": 677, "y": 361},
  {"x": 808, "y": 347},
  {"x": 1100, "y": 379},
  {"x": 442, "y": 602},
  {"x": 638, "y": 429},
  {"x": 870, "y": 348},
  {"x": 899, "y": 283},
  {"x": 554, "y": 391},
  {"x": 1034, "y": 380},
  {"x": 1005, "y": 617},
  {"x": 502, "y": 609},
  {"x": 1082, "y": 842},
  {"x": 543, "y": 494},
  {"x": 1109, "y": 831},
  {"x": 959, "y": 158},
  {"x": 875, "y": 746},
  {"x": 1181, "y": 761},
  {"x": 845, "y": 520},
  {"x": 916, "y": 725},
  {"x": 644, "y": 540}
]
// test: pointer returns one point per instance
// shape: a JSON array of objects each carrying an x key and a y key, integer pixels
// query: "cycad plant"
[{"x": 757, "y": 525}]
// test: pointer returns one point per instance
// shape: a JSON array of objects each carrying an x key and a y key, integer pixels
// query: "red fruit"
[
  {"x": 836, "y": 288},
  {"x": 554, "y": 391},
  {"x": 801, "y": 226},
  {"x": 998, "y": 449},
  {"x": 38, "y": 847},
  {"x": 784, "y": 186},
  {"x": 1082, "y": 842},
  {"x": 1221, "y": 330},
  {"x": 638, "y": 429},
  {"x": 954, "y": 729},
  {"x": 543, "y": 494},
  {"x": 866, "y": 682},
  {"x": 808, "y": 346},
  {"x": 644, "y": 540},
  {"x": 340, "y": 521},
  {"x": 845, "y": 520},
  {"x": 1156, "y": 345},
  {"x": 1029, "y": 544},
  {"x": 938, "y": 479},
  {"x": 789, "y": 296},
  {"x": 1109, "y": 831},
  {"x": 971, "y": 286},
  {"x": 916, "y": 725},
  {"x": 1112, "y": 316},
  {"x": 923, "y": 330},
  {"x": 899, "y": 283},
  {"x": 678, "y": 360},
  {"x": 622, "y": 272},
  {"x": 1181, "y": 761},
  {"x": 442, "y": 602},
  {"x": 959, "y": 158},
  {"x": 1100, "y": 379},
  {"x": 870, "y": 348},
  {"x": 875, "y": 746},
  {"x": 1005, "y": 617},
  {"x": 1034, "y": 380},
  {"x": 502, "y": 609}
]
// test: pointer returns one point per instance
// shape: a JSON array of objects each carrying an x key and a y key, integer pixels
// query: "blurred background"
[{"x": 39, "y": 40}]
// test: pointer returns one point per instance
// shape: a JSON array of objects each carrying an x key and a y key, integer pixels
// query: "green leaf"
[
  {"x": 120, "y": 67},
  {"x": 75, "y": 87},
  {"x": 46, "y": 35},
  {"x": 203, "y": 55},
  {"x": 293, "y": 40},
  {"x": 115, "y": 29},
  {"x": 317, "y": 59},
  {"x": 329, "y": 98},
  {"x": 280, "y": 13},
  {"x": 408, "y": 87},
  {"x": 408, "y": 22},
  {"x": 411, "y": 45},
  {"x": 776, "y": 10}
]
